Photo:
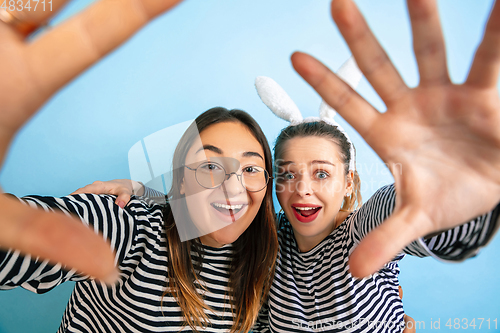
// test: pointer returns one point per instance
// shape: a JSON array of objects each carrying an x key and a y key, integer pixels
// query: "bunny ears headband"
[{"x": 283, "y": 106}]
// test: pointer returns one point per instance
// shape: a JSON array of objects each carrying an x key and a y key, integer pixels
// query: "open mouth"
[
  {"x": 227, "y": 209},
  {"x": 306, "y": 213}
]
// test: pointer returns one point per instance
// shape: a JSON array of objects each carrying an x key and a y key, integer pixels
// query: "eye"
[
  {"x": 321, "y": 175},
  {"x": 210, "y": 167},
  {"x": 252, "y": 169},
  {"x": 286, "y": 176}
]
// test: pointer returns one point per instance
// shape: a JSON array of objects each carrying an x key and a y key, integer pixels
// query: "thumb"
[
  {"x": 383, "y": 243},
  {"x": 79, "y": 191}
]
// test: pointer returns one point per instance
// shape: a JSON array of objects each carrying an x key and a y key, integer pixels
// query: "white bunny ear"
[
  {"x": 326, "y": 112},
  {"x": 277, "y": 100},
  {"x": 350, "y": 73}
]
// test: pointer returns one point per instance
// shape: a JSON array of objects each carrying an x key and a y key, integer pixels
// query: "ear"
[
  {"x": 349, "y": 182},
  {"x": 182, "y": 190}
]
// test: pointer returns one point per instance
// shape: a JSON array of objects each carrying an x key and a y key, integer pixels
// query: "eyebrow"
[
  {"x": 211, "y": 148},
  {"x": 252, "y": 154},
  {"x": 219, "y": 151},
  {"x": 312, "y": 162},
  {"x": 322, "y": 162}
]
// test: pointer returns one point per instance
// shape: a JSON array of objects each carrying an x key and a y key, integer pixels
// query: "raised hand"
[
  {"x": 445, "y": 136},
  {"x": 32, "y": 71}
]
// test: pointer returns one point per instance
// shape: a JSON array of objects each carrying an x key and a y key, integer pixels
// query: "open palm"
[
  {"x": 440, "y": 140},
  {"x": 32, "y": 71}
]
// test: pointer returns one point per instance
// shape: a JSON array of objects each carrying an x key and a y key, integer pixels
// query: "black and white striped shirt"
[
  {"x": 137, "y": 235},
  {"x": 314, "y": 291}
]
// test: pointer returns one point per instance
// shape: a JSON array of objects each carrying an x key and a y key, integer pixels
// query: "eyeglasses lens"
[{"x": 211, "y": 175}]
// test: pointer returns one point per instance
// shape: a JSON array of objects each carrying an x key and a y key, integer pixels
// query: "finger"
[
  {"x": 400, "y": 292},
  {"x": 57, "y": 238},
  {"x": 410, "y": 325},
  {"x": 123, "y": 199},
  {"x": 352, "y": 107},
  {"x": 79, "y": 191},
  {"x": 486, "y": 66},
  {"x": 86, "y": 38},
  {"x": 96, "y": 187},
  {"x": 428, "y": 42},
  {"x": 382, "y": 244},
  {"x": 370, "y": 56}
]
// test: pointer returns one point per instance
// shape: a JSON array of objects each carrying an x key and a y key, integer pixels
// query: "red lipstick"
[{"x": 306, "y": 213}]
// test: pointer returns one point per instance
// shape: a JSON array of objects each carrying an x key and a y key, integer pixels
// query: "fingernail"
[{"x": 121, "y": 204}]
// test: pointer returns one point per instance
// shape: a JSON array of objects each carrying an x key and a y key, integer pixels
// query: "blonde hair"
[{"x": 354, "y": 200}]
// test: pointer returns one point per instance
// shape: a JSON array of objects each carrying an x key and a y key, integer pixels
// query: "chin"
[
  {"x": 219, "y": 239},
  {"x": 227, "y": 235},
  {"x": 306, "y": 229}
]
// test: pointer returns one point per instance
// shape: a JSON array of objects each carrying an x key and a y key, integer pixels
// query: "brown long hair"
[
  {"x": 324, "y": 130},
  {"x": 255, "y": 251}
]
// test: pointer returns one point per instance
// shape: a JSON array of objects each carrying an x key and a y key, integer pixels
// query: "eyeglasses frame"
[{"x": 228, "y": 175}]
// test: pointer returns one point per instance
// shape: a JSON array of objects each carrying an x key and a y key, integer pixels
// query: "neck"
[
  {"x": 206, "y": 240},
  {"x": 307, "y": 243}
]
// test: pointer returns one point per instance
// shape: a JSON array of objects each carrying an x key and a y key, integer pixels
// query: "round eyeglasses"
[{"x": 212, "y": 175}]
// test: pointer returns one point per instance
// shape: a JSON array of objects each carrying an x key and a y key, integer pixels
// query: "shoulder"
[{"x": 139, "y": 205}]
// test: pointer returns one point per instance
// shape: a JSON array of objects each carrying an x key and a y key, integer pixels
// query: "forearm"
[
  {"x": 456, "y": 244},
  {"x": 31, "y": 273},
  {"x": 99, "y": 213}
]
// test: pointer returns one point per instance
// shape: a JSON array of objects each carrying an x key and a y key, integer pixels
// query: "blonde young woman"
[{"x": 324, "y": 244}]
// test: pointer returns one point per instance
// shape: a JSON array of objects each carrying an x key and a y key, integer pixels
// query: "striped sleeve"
[
  {"x": 99, "y": 212},
  {"x": 152, "y": 194},
  {"x": 456, "y": 244}
]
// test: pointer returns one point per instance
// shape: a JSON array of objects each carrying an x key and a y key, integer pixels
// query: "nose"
[
  {"x": 304, "y": 187},
  {"x": 232, "y": 186}
]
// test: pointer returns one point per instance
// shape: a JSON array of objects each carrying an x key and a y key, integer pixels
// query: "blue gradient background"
[{"x": 208, "y": 53}]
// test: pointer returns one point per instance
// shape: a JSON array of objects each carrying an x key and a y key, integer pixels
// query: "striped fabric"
[
  {"x": 135, "y": 303},
  {"x": 314, "y": 291}
]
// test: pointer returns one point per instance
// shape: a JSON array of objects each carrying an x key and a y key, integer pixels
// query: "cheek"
[
  {"x": 191, "y": 185},
  {"x": 282, "y": 197},
  {"x": 331, "y": 197},
  {"x": 256, "y": 199},
  {"x": 338, "y": 186},
  {"x": 283, "y": 192}
]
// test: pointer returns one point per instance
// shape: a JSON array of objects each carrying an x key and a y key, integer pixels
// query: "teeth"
[
  {"x": 233, "y": 207},
  {"x": 306, "y": 208}
]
